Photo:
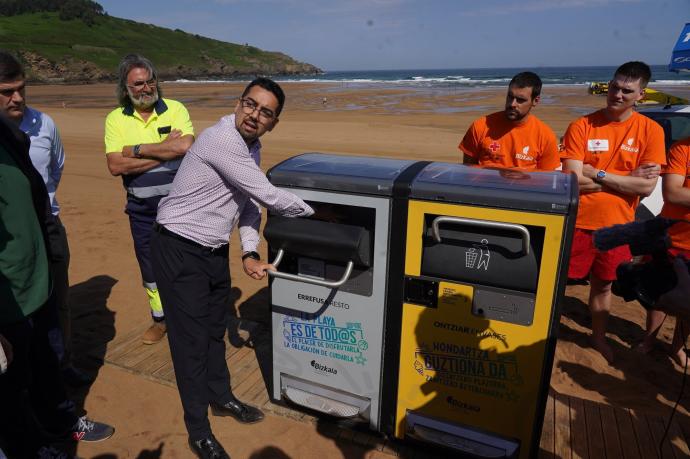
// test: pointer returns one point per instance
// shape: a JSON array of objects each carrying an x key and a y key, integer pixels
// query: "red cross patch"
[{"x": 495, "y": 146}]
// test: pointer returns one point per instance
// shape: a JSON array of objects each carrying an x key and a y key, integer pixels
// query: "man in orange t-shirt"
[
  {"x": 513, "y": 138},
  {"x": 616, "y": 154},
  {"x": 676, "y": 190}
]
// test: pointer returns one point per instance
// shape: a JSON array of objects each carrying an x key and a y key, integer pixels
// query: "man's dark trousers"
[
  {"x": 61, "y": 334},
  {"x": 33, "y": 384},
  {"x": 194, "y": 284}
]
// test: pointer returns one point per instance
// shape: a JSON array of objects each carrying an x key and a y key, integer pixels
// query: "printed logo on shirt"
[
  {"x": 525, "y": 156},
  {"x": 598, "y": 145},
  {"x": 628, "y": 146},
  {"x": 492, "y": 152}
]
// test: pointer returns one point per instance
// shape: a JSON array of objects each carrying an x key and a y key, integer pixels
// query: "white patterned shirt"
[
  {"x": 218, "y": 186},
  {"x": 46, "y": 150}
]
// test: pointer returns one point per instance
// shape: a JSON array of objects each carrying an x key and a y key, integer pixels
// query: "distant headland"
[{"x": 72, "y": 41}]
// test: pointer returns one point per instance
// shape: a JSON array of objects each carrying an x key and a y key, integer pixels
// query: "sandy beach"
[{"x": 398, "y": 123}]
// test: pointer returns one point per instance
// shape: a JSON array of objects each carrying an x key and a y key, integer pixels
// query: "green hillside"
[{"x": 72, "y": 50}]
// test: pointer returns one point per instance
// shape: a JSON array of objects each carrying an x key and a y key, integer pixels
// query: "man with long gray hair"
[{"x": 145, "y": 140}]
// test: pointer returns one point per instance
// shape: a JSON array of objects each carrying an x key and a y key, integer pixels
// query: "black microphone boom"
[{"x": 643, "y": 237}]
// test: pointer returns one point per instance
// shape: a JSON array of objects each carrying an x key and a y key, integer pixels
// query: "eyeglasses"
[
  {"x": 139, "y": 85},
  {"x": 250, "y": 105}
]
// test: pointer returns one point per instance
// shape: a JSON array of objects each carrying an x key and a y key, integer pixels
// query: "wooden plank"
[
  {"x": 259, "y": 392},
  {"x": 656, "y": 427},
  {"x": 156, "y": 358},
  {"x": 406, "y": 451},
  {"x": 361, "y": 438},
  {"x": 133, "y": 337},
  {"x": 390, "y": 448},
  {"x": 246, "y": 384},
  {"x": 546, "y": 443},
  {"x": 262, "y": 398},
  {"x": 346, "y": 434},
  {"x": 562, "y": 447},
  {"x": 143, "y": 352},
  {"x": 648, "y": 450},
  {"x": 165, "y": 373},
  {"x": 678, "y": 442},
  {"x": 239, "y": 359},
  {"x": 595, "y": 435},
  {"x": 578, "y": 429},
  {"x": 132, "y": 342},
  {"x": 629, "y": 446},
  {"x": 376, "y": 442},
  {"x": 684, "y": 427},
  {"x": 609, "y": 427},
  {"x": 151, "y": 366},
  {"x": 242, "y": 368}
]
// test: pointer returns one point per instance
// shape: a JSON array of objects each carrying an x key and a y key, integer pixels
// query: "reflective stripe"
[
  {"x": 155, "y": 302},
  {"x": 150, "y": 286},
  {"x": 168, "y": 166},
  {"x": 150, "y": 191}
]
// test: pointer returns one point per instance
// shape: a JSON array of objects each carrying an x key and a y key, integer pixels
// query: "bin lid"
[
  {"x": 553, "y": 192},
  {"x": 355, "y": 174}
]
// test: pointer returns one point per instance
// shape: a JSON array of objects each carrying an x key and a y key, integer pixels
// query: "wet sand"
[{"x": 400, "y": 123}]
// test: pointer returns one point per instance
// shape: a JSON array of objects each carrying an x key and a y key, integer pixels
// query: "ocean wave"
[
  {"x": 457, "y": 78},
  {"x": 672, "y": 82},
  {"x": 186, "y": 81}
]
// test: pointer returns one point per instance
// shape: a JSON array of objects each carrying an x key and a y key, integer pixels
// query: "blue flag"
[{"x": 680, "y": 58}]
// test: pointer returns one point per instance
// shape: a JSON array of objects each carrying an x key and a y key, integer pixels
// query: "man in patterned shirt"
[{"x": 217, "y": 187}]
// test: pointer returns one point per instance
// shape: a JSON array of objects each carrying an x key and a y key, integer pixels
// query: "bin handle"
[
  {"x": 308, "y": 280},
  {"x": 483, "y": 224}
]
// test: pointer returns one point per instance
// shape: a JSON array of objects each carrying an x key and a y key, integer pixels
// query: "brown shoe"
[{"x": 155, "y": 333}]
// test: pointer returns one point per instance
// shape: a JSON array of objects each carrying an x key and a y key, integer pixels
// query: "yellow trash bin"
[{"x": 485, "y": 266}]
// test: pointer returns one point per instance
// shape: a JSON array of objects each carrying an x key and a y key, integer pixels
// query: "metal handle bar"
[
  {"x": 483, "y": 224},
  {"x": 308, "y": 280}
]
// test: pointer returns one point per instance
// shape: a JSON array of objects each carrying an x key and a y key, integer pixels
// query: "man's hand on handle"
[{"x": 256, "y": 269}]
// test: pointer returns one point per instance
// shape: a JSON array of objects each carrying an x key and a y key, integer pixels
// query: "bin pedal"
[
  {"x": 320, "y": 403},
  {"x": 467, "y": 440}
]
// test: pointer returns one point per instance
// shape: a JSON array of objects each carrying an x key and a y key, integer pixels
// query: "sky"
[{"x": 431, "y": 34}]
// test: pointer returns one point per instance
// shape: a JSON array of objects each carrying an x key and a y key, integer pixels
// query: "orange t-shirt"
[
  {"x": 618, "y": 148},
  {"x": 679, "y": 163},
  {"x": 495, "y": 141}
]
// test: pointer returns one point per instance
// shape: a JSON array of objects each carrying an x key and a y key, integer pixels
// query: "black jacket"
[{"x": 17, "y": 145}]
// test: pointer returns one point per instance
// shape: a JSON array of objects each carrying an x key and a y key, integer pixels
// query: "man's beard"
[
  {"x": 514, "y": 115},
  {"x": 144, "y": 101}
]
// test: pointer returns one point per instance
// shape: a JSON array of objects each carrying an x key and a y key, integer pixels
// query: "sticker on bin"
[{"x": 325, "y": 337}]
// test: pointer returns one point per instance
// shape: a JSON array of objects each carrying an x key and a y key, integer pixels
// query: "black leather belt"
[{"x": 163, "y": 230}]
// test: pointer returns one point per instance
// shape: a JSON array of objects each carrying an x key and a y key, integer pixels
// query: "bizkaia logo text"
[
  {"x": 455, "y": 403},
  {"x": 629, "y": 147},
  {"x": 323, "y": 368}
]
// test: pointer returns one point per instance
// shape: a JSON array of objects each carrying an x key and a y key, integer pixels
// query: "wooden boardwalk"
[
  {"x": 577, "y": 428},
  {"x": 573, "y": 427}
]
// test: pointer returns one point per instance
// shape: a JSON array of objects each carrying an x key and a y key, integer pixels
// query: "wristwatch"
[
  {"x": 136, "y": 151},
  {"x": 253, "y": 255},
  {"x": 600, "y": 175}
]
